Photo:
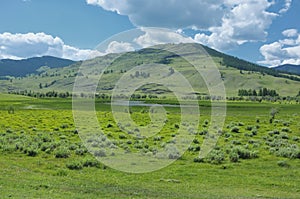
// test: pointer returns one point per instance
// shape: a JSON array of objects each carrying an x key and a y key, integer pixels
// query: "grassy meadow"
[{"x": 42, "y": 155}]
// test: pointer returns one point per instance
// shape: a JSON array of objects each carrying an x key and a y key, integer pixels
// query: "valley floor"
[{"x": 42, "y": 156}]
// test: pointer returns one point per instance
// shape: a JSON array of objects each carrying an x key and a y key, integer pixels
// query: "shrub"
[
  {"x": 109, "y": 126},
  {"x": 285, "y": 129},
  {"x": 32, "y": 152},
  {"x": 206, "y": 122},
  {"x": 172, "y": 152},
  {"x": 100, "y": 153},
  {"x": 9, "y": 131},
  {"x": 122, "y": 136},
  {"x": 244, "y": 153},
  {"x": 194, "y": 148},
  {"x": 215, "y": 157},
  {"x": 45, "y": 146},
  {"x": 236, "y": 142},
  {"x": 296, "y": 139},
  {"x": 80, "y": 151},
  {"x": 73, "y": 147},
  {"x": 233, "y": 156},
  {"x": 196, "y": 141},
  {"x": 62, "y": 153},
  {"x": 157, "y": 138},
  {"x": 249, "y": 128},
  {"x": 283, "y": 163},
  {"x": 254, "y": 132},
  {"x": 64, "y": 126},
  {"x": 46, "y": 138},
  {"x": 227, "y": 135},
  {"x": 75, "y": 165},
  {"x": 198, "y": 159},
  {"x": 284, "y": 136},
  {"x": 271, "y": 133},
  {"x": 235, "y": 129},
  {"x": 286, "y": 123},
  {"x": 241, "y": 124},
  {"x": 129, "y": 142},
  {"x": 291, "y": 152},
  {"x": 89, "y": 162}
]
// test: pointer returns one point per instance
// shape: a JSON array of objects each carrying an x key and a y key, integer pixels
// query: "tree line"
[{"x": 261, "y": 92}]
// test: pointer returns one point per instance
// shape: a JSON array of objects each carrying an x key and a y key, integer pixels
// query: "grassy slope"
[{"x": 232, "y": 78}]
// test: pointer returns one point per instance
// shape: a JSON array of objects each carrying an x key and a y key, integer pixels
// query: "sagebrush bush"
[
  {"x": 194, "y": 148},
  {"x": 122, "y": 136},
  {"x": 89, "y": 162},
  {"x": 254, "y": 131},
  {"x": 241, "y": 124},
  {"x": 249, "y": 128},
  {"x": 291, "y": 152},
  {"x": 286, "y": 129},
  {"x": 235, "y": 129},
  {"x": 80, "y": 151},
  {"x": 172, "y": 151},
  {"x": 198, "y": 159},
  {"x": 32, "y": 152},
  {"x": 62, "y": 153},
  {"x": 75, "y": 165},
  {"x": 157, "y": 138},
  {"x": 285, "y": 136},
  {"x": 295, "y": 138},
  {"x": 100, "y": 153},
  {"x": 73, "y": 147},
  {"x": 283, "y": 163},
  {"x": 215, "y": 157},
  {"x": 233, "y": 156},
  {"x": 236, "y": 142},
  {"x": 244, "y": 153}
]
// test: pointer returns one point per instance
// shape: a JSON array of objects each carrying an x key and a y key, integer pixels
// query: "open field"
[{"x": 42, "y": 156}]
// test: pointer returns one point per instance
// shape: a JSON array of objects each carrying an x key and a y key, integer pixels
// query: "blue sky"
[{"x": 261, "y": 31}]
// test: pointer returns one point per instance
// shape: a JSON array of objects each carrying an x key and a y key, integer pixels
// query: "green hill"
[
  {"x": 20, "y": 68},
  {"x": 235, "y": 73}
]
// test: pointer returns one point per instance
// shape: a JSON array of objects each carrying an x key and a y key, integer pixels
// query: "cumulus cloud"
[
  {"x": 223, "y": 23},
  {"x": 167, "y": 13},
  {"x": 153, "y": 36},
  {"x": 119, "y": 47},
  {"x": 246, "y": 22},
  {"x": 20, "y": 46},
  {"x": 286, "y": 7},
  {"x": 290, "y": 33},
  {"x": 285, "y": 51}
]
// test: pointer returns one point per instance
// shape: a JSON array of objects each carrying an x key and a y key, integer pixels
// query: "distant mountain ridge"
[
  {"x": 20, "y": 68},
  {"x": 290, "y": 68}
]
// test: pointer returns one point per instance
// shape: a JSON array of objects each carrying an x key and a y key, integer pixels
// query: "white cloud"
[
  {"x": 286, "y": 7},
  {"x": 153, "y": 36},
  {"x": 246, "y": 22},
  {"x": 224, "y": 23},
  {"x": 20, "y": 46},
  {"x": 290, "y": 33},
  {"x": 167, "y": 13},
  {"x": 286, "y": 51},
  {"x": 119, "y": 47}
]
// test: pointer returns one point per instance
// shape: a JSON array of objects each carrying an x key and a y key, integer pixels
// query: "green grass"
[{"x": 46, "y": 126}]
